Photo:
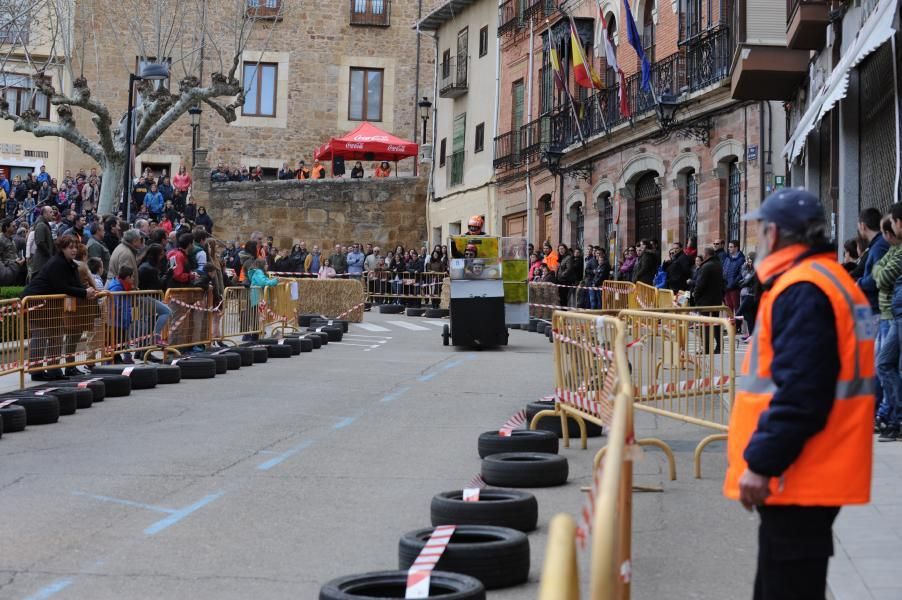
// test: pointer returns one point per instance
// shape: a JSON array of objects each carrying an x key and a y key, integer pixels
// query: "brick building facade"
[
  {"x": 623, "y": 179},
  {"x": 317, "y": 55}
]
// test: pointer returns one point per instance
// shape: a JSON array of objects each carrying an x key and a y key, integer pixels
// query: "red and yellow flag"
[{"x": 583, "y": 73}]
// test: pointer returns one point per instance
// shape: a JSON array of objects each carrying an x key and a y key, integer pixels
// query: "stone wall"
[{"x": 382, "y": 211}]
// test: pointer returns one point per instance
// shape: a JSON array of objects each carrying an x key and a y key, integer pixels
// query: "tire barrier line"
[
  {"x": 131, "y": 318},
  {"x": 191, "y": 322},
  {"x": 64, "y": 331},
  {"x": 418, "y": 575}
]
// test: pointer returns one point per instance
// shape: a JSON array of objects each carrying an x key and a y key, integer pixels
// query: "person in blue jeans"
[
  {"x": 887, "y": 270},
  {"x": 869, "y": 231},
  {"x": 889, "y": 416}
]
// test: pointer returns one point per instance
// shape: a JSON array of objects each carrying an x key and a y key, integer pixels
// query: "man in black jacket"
[
  {"x": 647, "y": 265},
  {"x": 709, "y": 287},
  {"x": 678, "y": 268}
]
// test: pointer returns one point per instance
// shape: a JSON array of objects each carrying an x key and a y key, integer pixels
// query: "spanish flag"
[{"x": 583, "y": 73}]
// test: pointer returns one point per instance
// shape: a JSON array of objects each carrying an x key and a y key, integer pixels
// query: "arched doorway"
[
  {"x": 648, "y": 208},
  {"x": 734, "y": 201}
]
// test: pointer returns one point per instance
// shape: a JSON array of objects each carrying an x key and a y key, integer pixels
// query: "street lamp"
[
  {"x": 195, "y": 112},
  {"x": 424, "y": 105},
  {"x": 552, "y": 159},
  {"x": 666, "y": 109},
  {"x": 150, "y": 72}
]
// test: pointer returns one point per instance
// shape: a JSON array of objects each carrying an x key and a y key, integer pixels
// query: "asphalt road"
[{"x": 268, "y": 481}]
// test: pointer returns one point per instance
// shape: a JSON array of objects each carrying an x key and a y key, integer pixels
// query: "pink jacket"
[{"x": 181, "y": 182}]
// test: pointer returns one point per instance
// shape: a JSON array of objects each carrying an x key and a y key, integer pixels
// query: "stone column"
[{"x": 200, "y": 177}]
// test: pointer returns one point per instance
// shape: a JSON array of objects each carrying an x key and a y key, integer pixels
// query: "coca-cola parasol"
[{"x": 367, "y": 142}]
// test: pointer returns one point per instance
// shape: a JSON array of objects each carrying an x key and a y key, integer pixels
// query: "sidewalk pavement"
[{"x": 867, "y": 564}]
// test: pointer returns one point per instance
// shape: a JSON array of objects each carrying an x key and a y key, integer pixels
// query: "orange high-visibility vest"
[{"x": 834, "y": 467}]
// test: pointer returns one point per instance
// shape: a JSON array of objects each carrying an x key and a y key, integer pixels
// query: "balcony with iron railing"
[
  {"x": 535, "y": 137},
  {"x": 695, "y": 67},
  {"x": 806, "y": 24},
  {"x": 507, "y": 150},
  {"x": 455, "y": 168},
  {"x": 371, "y": 13},
  {"x": 453, "y": 77},
  {"x": 513, "y": 14}
]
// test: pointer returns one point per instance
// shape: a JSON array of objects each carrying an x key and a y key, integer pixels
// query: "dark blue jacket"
[
  {"x": 805, "y": 369},
  {"x": 876, "y": 249},
  {"x": 732, "y": 270}
]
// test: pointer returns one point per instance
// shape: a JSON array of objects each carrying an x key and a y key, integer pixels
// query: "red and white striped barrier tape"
[
  {"x": 514, "y": 422},
  {"x": 420, "y": 571},
  {"x": 689, "y": 385},
  {"x": 350, "y": 310},
  {"x": 587, "y": 514},
  {"x": 196, "y": 306}
]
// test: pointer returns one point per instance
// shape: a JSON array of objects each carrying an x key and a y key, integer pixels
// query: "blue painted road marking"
[
  {"x": 394, "y": 395},
  {"x": 181, "y": 514},
  {"x": 287, "y": 454},
  {"x": 49, "y": 590},
  {"x": 344, "y": 423}
]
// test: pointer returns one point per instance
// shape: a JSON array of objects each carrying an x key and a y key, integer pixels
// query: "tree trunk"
[{"x": 111, "y": 190}]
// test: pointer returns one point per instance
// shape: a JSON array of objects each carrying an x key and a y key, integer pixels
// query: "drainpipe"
[
  {"x": 497, "y": 115},
  {"x": 530, "y": 209},
  {"x": 430, "y": 191},
  {"x": 416, "y": 81},
  {"x": 763, "y": 164}
]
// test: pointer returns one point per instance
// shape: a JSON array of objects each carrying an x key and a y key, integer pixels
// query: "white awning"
[{"x": 876, "y": 31}]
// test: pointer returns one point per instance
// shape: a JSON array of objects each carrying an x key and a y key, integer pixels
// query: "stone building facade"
[
  {"x": 584, "y": 173},
  {"x": 315, "y": 49},
  {"x": 385, "y": 212}
]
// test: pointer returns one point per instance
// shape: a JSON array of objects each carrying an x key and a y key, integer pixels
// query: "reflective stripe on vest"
[{"x": 857, "y": 386}]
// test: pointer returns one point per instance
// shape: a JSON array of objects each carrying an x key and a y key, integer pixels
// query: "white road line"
[
  {"x": 409, "y": 326},
  {"x": 435, "y": 323},
  {"x": 375, "y": 337},
  {"x": 371, "y": 327}
]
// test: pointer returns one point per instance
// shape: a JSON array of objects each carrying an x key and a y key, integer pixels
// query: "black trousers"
[{"x": 795, "y": 544}]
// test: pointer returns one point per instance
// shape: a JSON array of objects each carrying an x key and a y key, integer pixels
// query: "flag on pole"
[
  {"x": 583, "y": 73},
  {"x": 604, "y": 49},
  {"x": 632, "y": 34},
  {"x": 556, "y": 66}
]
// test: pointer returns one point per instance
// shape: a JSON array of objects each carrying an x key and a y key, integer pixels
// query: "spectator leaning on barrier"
[
  {"x": 370, "y": 262},
  {"x": 180, "y": 273},
  {"x": 709, "y": 292},
  {"x": 799, "y": 443},
  {"x": 886, "y": 271},
  {"x": 58, "y": 276}
]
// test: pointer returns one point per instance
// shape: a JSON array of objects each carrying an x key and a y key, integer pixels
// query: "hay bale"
[
  {"x": 331, "y": 297},
  {"x": 542, "y": 293}
]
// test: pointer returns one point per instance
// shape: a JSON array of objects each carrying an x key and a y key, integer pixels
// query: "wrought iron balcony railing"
[
  {"x": 371, "y": 13},
  {"x": 453, "y": 77},
  {"x": 507, "y": 150}
]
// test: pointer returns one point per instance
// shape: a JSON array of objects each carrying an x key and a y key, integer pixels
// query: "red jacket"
[{"x": 178, "y": 264}]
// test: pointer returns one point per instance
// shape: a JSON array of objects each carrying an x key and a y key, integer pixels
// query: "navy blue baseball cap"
[{"x": 793, "y": 209}]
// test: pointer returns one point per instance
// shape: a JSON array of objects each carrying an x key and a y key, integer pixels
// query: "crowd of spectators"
[{"x": 224, "y": 173}]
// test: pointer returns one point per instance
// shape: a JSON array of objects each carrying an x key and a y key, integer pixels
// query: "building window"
[
  {"x": 21, "y": 93},
  {"x": 458, "y": 146},
  {"x": 480, "y": 138},
  {"x": 691, "y": 192},
  {"x": 607, "y": 212},
  {"x": 264, "y": 9},
  {"x": 260, "y": 82},
  {"x": 443, "y": 147},
  {"x": 578, "y": 218},
  {"x": 365, "y": 99},
  {"x": 483, "y": 41},
  {"x": 693, "y": 18},
  {"x": 734, "y": 201},
  {"x": 374, "y": 13},
  {"x": 648, "y": 32}
]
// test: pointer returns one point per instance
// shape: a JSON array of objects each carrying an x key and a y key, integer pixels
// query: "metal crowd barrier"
[
  {"x": 593, "y": 382},
  {"x": 64, "y": 331},
  {"x": 130, "y": 320},
  {"x": 618, "y": 295},
  {"x": 385, "y": 287},
  {"x": 12, "y": 339},
  {"x": 684, "y": 366},
  {"x": 191, "y": 323},
  {"x": 239, "y": 316}
]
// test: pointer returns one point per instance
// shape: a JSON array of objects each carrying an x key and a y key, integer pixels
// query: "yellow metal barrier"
[
  {"x": 646, "y": 296},
  {"x": 191, "y": 323},
  {"x": 279, "y": 306},
  {"x": 684, "y": 367},
  {"x": 239, "y": 316},
  {"x": 130, "y": 319},
  {"x": 64, "y": 331},
  {"x": 593, "y": 382},
  {"x": 618, "y": 295},
  {"x": 12, "y": 339}
]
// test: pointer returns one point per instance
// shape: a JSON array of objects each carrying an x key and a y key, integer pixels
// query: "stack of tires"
[{"x": 489, "y": 548}]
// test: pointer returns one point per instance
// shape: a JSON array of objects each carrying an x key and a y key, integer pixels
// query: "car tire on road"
[
  {"x": 222, "y": 363},
  {"x": 194, "y": 367},
  {"x": 232, "y": 360},
  {"x": 168, "y": 374},
  {"x": 14, "y": 418},
  {"x": 392, "y": 585},
  {"x": 436, "y": 313},
  {"x": 97, "y": 387},
  {"x": 322, "y": 335},
  {"x": 343, "y": 323},
  {"x": 245, "y": 354},
  {"x": 503, "y": 508},
  {"x": 525, "y": 469},
  {"x": 533, "y": 323},
  {"x": 315, "y": 341},
  {"x": 67, "y": 397},
  {"x": 39, "y": 410},
  {"x": 276, "y": 351},
  {"x": 304, "y": 319},
  {"x": 115, "y": 386},
  {"x": 334, "y": 333},
  {"x": 391, "y": 309},
  {"x": 260, "y": 353},
  {"x": 553, "y": 424},
  {"x": 415, "y": 312},
  {"x": 293, "y": 343},
  {"x": 143, "y": 377},
  {"x": 520, "y": 440},
  {"x": 496, "y": 556}
]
